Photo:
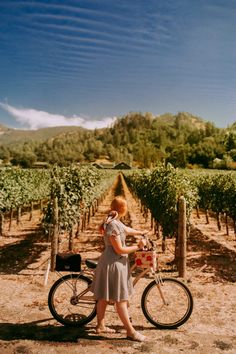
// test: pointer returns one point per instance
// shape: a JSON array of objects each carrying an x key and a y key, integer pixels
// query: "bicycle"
[{"x": 167, "y": 303}]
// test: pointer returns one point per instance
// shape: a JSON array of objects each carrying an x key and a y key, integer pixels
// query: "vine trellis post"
[
  {"x": 54, "y": 241},
  {"x": 1, "y": 224},
  {"x": 226, "y": 224},
  {"x": 11, "y": 218},
  {"x": 31, "y": 210},
  {"x": 182, "y": 236},
  {"x": 18, "y": 214},
  {"x": 71, "y": 238}
]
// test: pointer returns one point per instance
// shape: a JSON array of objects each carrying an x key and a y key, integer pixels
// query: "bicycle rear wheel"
[
  {"x": 70, "y": 300},
  {"x": 170, "y": 312}
]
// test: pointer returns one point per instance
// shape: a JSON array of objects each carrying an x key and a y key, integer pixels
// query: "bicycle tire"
[
  {"x": 60, "y": 301},
  {"x": 171, "y": 315}
]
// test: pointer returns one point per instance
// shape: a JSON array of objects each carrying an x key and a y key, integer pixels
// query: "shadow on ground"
[
  {"x": 218, "y": 259},
  {"x": 38, "y": 331},
  {"x": 17, "y": 256},
  {"x": 41, "y": 332}
]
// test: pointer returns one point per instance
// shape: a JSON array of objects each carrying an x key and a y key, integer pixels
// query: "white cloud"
[{"x": 32, "y": 119}]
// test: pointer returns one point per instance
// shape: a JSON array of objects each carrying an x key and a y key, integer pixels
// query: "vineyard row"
[
  {"x": 78, "y": 190},
  {"x": 160, "y": 189}
]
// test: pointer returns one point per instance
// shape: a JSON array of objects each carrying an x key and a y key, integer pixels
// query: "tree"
[
  {"x": 202, "y": 154},
  {"x": 4, "y": 153},
  {"x": 178, "y": 156},
  {"x": 233, "y": 154},
  {"x": 230, "y": 141}
]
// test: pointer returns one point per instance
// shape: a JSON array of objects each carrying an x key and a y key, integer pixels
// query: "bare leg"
[
  {"x": 101, "y": 309},
  {"x": 122, "y": 310}
]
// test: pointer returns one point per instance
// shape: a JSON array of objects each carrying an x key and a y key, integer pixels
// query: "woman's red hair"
[{"x": 119, "y": 205}]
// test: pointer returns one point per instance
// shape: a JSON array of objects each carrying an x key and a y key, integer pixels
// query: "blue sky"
[{"x": 86, "y": 62}]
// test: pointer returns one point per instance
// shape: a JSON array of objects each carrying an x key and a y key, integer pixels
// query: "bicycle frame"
[
  {"x": 87, "y": 271},
  {"x": 157, "y": 277},
  {"x": 82, "y": 296}
]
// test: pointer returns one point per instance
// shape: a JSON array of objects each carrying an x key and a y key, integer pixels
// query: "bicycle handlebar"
[{"x": 150, "y": 245}]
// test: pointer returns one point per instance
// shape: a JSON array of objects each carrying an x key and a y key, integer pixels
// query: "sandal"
[
  {"x": 105, "y": 330},
  {"x": 136, "y": 336}
]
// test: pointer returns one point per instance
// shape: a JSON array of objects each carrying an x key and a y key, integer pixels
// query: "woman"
[{"x": 112, "y": 281}]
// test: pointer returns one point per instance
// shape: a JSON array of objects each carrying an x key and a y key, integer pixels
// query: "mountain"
[
  {"x": 13, "y": 136},
  {"x": 135, "y": 120},
  {"x": 140, "y": 139}
]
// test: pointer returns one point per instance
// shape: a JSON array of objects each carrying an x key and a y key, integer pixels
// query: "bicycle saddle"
[{"x": 91, "y": 264}]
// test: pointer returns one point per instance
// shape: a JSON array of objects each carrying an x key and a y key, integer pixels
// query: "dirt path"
[{"x": 27, "y": 326}]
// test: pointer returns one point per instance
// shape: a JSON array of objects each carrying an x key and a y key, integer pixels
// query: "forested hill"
[
  {"x": 138, "y": 139},
  {"x": 13, "y": 136}
]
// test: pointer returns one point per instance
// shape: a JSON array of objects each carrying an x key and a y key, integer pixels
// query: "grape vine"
[{"x": 160, "y": 190}]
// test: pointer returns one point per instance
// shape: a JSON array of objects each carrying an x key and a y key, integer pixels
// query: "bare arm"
[
  {"x": 119, "y": 249},
  {"x": 132, "y": 232}
]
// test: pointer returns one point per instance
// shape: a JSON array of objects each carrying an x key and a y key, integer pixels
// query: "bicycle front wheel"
[
  {"x": 168, "y": 306},
  {"x": 70, "y": 300}
]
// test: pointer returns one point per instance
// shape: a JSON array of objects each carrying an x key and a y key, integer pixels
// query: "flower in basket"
[{"x": 138, "y": 262}]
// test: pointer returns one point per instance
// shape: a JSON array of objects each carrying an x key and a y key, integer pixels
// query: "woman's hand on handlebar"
[{"x": 142, "y": 243}]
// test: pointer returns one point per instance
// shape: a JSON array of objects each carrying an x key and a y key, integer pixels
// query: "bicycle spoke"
[
  {"x": 65, "y": 302},
  {"x": 169, "y": 306}
]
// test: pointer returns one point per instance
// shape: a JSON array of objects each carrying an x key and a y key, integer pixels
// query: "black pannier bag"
[{"x": 68, "y": 262}]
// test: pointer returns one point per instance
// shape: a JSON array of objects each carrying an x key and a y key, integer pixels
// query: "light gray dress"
[{"x": 112, "y": 280}]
